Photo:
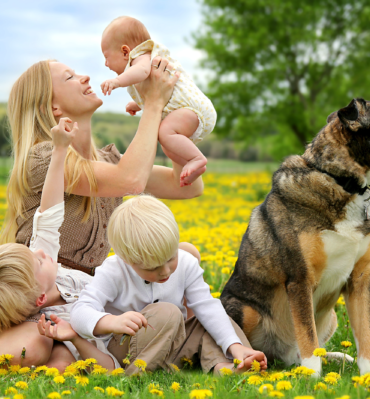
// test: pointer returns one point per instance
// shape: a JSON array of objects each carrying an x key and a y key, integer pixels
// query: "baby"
[{"x": 130, "y": 52}]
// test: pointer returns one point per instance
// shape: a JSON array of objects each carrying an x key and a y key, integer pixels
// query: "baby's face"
[
  {"x": 45, "y": 270},
  {"x": 115, "y": 59},
  {"x": 160, "y": 274}
]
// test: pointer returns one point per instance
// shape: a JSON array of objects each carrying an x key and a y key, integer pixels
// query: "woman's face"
[{"x": 72, "y": 93}]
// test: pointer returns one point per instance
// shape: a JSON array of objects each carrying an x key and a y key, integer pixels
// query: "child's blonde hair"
[
  {"x": 127, "y": 30},
  {"x": 143, "y": 231},
  {"x": 18, "y": 286}
]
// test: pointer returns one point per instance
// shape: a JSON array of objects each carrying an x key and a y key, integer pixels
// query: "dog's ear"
[
  {"x": 331, "y": 117},
  {"x": 348, "y": 113}
]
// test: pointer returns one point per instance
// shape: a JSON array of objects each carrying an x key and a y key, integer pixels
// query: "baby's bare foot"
[
  {"x": 219, "y": 366},
  {"x": 192, "y": 170},
  {"x": 189, "y": 179}
]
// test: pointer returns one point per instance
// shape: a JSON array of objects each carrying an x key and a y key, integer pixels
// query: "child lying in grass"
[{"x": 146, "y": 282}]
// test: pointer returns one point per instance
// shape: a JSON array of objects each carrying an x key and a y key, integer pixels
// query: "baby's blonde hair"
[
  {"x": 143, "y": 231},
  {"x": 18, "y": 286},
  {"x": 127, "y": 30}
]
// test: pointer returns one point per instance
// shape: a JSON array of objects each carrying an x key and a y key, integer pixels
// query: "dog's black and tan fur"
[{"x": 308, "y": 242}]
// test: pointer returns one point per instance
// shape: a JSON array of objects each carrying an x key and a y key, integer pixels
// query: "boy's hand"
[
  {"x": 127, "y": 323},
  {"x": 62, "y": 134},
  {"x": 109, "y": 85},
  {"x": 247, "y": 355},
  {"x": 132, "y": 108},
  {"x": 61, "y": 331}
]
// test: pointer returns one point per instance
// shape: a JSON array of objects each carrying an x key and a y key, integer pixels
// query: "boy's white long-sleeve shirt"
[{"x": 116, "y": 289}]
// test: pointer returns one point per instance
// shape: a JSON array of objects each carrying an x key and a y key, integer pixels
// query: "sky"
[{"x": 70, "y": 31}]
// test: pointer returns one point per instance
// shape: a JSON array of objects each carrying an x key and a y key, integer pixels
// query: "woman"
[{"x": 48, "y": 94}]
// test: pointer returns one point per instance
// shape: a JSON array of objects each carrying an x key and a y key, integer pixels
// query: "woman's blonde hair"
[
  {"x": 31, "y": 120},
  {"x": 18, "y": 286},
  {"x": 143, "y": 231}
]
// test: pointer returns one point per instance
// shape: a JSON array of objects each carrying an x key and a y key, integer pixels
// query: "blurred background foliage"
[{"x": 276, "y": 68}]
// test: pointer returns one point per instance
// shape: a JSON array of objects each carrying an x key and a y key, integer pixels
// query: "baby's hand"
[
  {"x": 132, "y": 108},
  {"x": 109, "y": 85},
  {"x": 247, "y": 355},
  {"x": 61, "y": 331},
  {"x": 62, "y": 134}
]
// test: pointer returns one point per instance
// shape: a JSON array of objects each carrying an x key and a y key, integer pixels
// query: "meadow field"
[{"x": 215, "y": 223}]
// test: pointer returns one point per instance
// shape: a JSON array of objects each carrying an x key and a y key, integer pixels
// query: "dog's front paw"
[
  {"x": 364, "y": 365},
  {"x": 339, "y": 357},
  {"x": 313, "y": 363}
]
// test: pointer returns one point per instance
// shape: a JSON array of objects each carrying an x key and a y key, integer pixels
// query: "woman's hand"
[
  {"x": 60, "y": 331},
  {"x": 158, "y": 87},
  {"x": 62, "y": 134}
]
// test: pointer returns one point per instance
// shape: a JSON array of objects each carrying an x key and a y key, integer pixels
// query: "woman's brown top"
[{"x": 84, "y": 246}]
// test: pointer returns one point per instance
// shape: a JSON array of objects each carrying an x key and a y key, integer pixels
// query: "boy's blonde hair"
[
  {"x": 18, "y": 286},
  {"x": 127, "y": 30},
  {"x": 143, "y": 231}
]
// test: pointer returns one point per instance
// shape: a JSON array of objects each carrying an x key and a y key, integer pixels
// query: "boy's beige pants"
[{"x": 173, "y": 339}]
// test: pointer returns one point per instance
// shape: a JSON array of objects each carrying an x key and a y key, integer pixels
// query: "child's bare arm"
[
  {"x": 139, "y": 71},
  {"x": 62, "y": 331},
  {"x": 53, "y": 191}
]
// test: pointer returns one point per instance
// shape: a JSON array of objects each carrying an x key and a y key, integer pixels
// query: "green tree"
[{"x": 280, "y": 67}]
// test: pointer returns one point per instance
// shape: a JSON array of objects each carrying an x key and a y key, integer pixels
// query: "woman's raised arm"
[{"x": 131, "y": 174}]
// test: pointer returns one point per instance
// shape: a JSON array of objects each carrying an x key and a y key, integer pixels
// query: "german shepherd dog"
[{"x": 307, "y": 243}]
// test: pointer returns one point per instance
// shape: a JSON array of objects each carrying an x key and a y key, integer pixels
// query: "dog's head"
[{"x": 355, "y": 116}]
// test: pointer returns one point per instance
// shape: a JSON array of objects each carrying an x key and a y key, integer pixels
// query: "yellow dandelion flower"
[
  {"x": 10, "y": 391},
  {"x": 216, "y": 294},
  {"x": 225, "y": 371},
  {"x": 236, "y": 362},
  {"x": 21, "y": 385},
  {"x": 324, "y": 361},
  {"x": 255, "y": 380},
  {"x": 341, "y": 301},
  {"x": 118, "y": 371},
  {"x": 344, "y": 397},
  {"x": 81, "y": 380},
  {"x": 90, "y": 361},
  {"x": 289, "y": 374},
  {"x": 111, "y": 391},
  {"x": 256, "y": 367},
  {"x": 100, "y": 371},
  {"x": 80, "y": 365},
  {"x": 53, "y": 371},
  {"x": 187, "y": 362},
  {"x": 200, "y": 394},
  {"x": 284, "y": 386},
  {"x": 153, "y": 386},
  {"x": 99, "y": 389},
  {"x": 276, "y": 394},
  {"x": 226, "y": 270},
  {"x": 196, "y": 385},
  {"x": 64, "y": 393},
  {"x": 275, "y": 376},
  {"x": 3, "y": 372},
  {"x": 211, "y": 287},
  {"x": 54, "y": 395},
  {"x": 174, "y": 367},
  {"x": 331, "y": 380},
  {"x": 6, "y": 358},
  {"x": 33, "y": 376},
  {"x": 156, "y": 392},
  {"x": 59, "y": 379},
  {"x": 175, "y": 386},
  {"x": 126, "y": 361},
  {"x": 319, "y": 352},
  {"x": 346, "y": 344},
  {"x": 140, "y": 364},
  {"x": 24, "y": 370},
  {"x": 41, "y": 368},
  {"x": 320, "y": 386},
  {"x": 14, "y": 368},
  {"x": 335, "y": 375},
  {"x": 265, "y": 388},
  {"x": 18, "y": 396}
]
